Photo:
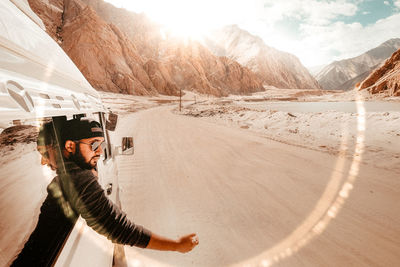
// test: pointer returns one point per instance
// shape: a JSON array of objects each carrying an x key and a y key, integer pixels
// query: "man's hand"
[
  {"x": 183, "y": 244},
  {"x": 187, "y": 243}
]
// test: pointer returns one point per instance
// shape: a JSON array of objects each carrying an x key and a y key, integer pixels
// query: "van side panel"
[{"x": 38, "y": 81}]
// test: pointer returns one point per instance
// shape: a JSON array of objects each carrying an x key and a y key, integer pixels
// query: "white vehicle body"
[{"x": 38, "y": 81}]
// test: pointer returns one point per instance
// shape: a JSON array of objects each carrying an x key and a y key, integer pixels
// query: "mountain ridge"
[
  {"x": 336, "y": 75},
  {"x": 385, "y": 79},
  {"x": 274, "y": 67},
  {"x": 111, "y": 61}
]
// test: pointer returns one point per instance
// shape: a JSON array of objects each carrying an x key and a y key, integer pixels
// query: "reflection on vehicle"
[
  {"x": 54, "y": 222},
  {"x": 41, "y": 87}
]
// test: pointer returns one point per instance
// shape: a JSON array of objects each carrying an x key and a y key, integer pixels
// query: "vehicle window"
[{"x": 26, "y": 172}]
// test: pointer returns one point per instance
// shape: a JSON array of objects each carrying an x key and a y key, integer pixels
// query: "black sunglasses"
[{"x": 95, "y": 145}]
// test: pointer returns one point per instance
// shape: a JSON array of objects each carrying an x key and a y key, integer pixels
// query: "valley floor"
[
  {"x": 375, "y": 134},
  {"x": 325, "y": 194}
]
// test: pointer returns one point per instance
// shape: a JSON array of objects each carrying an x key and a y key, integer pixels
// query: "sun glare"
[
  {"x": 182, "y": 27},
  {"x": 185, "y": 19}
]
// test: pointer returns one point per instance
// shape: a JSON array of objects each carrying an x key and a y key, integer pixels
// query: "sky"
[{"x": 316, "y": 31}]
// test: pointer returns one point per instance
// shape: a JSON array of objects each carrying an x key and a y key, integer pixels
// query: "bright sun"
[
  {"x": 182, "y": 25},
  {"x": 181, "y": 18}
]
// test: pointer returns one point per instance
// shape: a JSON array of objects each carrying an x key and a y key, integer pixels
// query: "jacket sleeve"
[{"x": 88, "y": 199}]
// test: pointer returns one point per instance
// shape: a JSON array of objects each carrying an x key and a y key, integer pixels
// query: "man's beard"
[{"x": 80, "y": 160}]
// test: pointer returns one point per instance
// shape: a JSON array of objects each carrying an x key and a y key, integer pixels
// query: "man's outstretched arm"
[
  {"x": 88, "y": 199},
  {"x": 183, "y": 244}
]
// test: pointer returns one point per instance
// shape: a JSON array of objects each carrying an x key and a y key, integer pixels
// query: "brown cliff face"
[
  {"x": 160, "y": 77},
  {"x": 385, "y": 79},
  {"x": 193, "y": 67},
  {"x": 51, "y": 15},
  {"x": 109, "y": 58},
  {"x": 134, "y": 61},
  {"x": 241, "y": 78},
  {"x": 96, "y": 50},
  {"x": 144, "y": 33}
]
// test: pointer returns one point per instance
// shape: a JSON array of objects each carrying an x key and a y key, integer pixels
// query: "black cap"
[{"x": 82, "y": 128}]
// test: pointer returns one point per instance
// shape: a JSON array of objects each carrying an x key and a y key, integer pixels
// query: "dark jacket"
[
  {"x": 75, "y": 192},
  {"x": 87, "y": 198},
  {"x": 50, "y": 233}
]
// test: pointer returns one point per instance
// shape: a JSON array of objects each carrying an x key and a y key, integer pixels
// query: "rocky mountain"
[
  {"x": 337, "y": 75},
  {"x": 385, "y": 79},
  {"x": 120, "y": 51},
  {"x": 103, "y": 54},
  {"x": 140, "y": 30},
  {"x": 273, "y": 67},
  {"x": 190, "y": 65},
  {"x": 353, "y": 83}
]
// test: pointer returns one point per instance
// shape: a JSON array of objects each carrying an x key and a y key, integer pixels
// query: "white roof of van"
[
  {"x": 23, "y": 5},
  {"x": 37, "y": 78}
]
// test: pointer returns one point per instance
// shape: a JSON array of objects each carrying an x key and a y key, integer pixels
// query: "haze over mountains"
[
  {"x": 274, "y": 67},
  {"x": 345, "y": 74},
  {"x": 124, "y": 52}
]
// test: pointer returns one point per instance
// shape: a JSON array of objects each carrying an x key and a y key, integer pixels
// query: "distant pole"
[{"x": 180, "y": 100}]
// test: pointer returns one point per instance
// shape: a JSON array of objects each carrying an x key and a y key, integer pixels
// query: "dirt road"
[{"x": 252, "y": 200}]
